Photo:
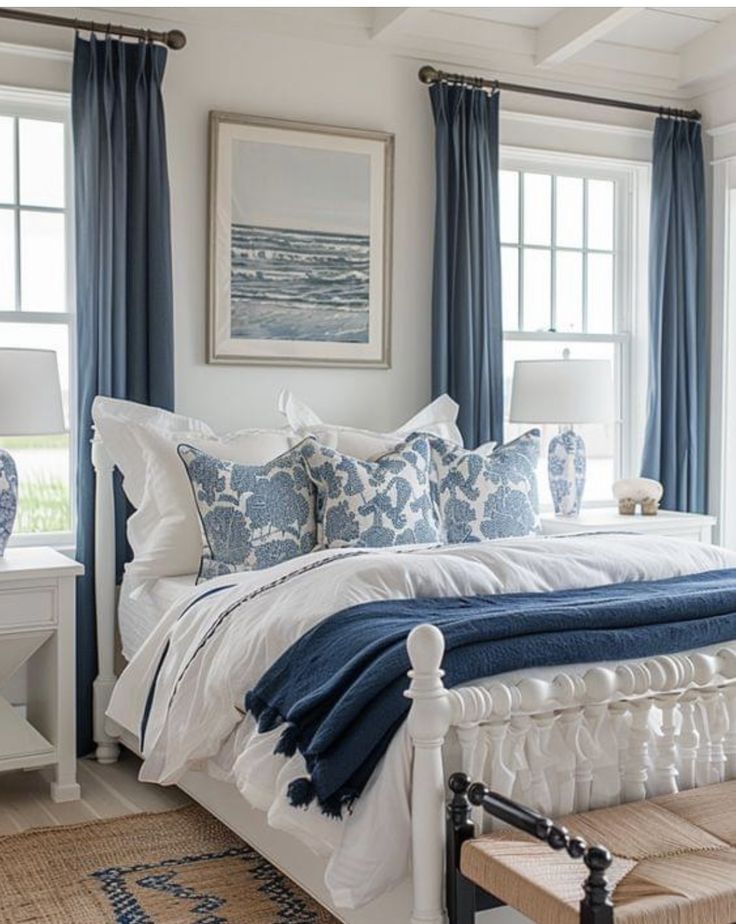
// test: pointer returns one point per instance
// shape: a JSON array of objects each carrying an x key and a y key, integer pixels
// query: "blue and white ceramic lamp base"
[
  {"x": 8, "y": 497},
  {"x": 566, "y": 465}
]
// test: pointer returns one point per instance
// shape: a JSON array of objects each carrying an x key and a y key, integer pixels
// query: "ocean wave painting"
[
  {"x": 300, "y": 244},
  {"x": 288, "y": 284}
]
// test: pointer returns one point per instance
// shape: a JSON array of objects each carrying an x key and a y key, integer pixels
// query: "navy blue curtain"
[
  {"x": 467, "y": 324},
  {"x": 675, "y": 441},
  {"x": 123, "y": 275}
]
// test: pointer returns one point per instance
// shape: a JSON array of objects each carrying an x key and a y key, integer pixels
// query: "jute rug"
[{"x": 180, "y": 867}]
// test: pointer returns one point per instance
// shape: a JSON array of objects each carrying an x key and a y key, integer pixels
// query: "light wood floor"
[{"x": 107, "y": 791}]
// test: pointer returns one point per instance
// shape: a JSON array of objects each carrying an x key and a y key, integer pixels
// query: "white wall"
[
  {"x": 287, "y": 78},
  {"x": 719, "y": 118},
  {"x": 356, "y": 86},
  {"x": 719, "y": 115}
]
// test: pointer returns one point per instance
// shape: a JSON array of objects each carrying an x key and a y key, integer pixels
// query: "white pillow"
[
  {"x": 437, "y": 419},
  {"x": 164, "y": 531}
]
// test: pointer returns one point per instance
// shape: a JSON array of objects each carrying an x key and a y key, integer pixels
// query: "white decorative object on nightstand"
[
  {"x": 609, "y": 520},
  {"x": 37, "y": 627}
]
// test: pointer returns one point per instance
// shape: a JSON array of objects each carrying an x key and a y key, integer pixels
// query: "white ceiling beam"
[
  {"x": 633, "y": 61},
  {"x": 482, "y": 34},
  {"x": 388, "y": 21},
  {"x": 575, "y": 28},
  {"x": 709, "y": 55}
]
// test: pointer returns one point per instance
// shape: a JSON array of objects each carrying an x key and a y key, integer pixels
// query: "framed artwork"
[{"x": 300, "y": 243}]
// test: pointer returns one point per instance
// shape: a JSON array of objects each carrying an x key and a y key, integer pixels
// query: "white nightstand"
[
  {"x": 37, "y": 627},
  {"x": 608, "y": 519}
]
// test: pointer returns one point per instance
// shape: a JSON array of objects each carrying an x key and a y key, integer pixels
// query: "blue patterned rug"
[{"x": 180, "y": 867}]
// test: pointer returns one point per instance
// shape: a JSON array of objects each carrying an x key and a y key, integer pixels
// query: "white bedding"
[
  {"x": 142, "y": 604},
  {"x": 197, "y": 720}
]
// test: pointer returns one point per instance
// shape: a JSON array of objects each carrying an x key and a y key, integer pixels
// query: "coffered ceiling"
[
  {"x": 669, "y": 52},
  {"x": 676, "y": 50}
]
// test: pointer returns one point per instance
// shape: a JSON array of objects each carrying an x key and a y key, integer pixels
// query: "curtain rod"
[
  {"x": 429, "y": 75},
  {"x": 175, "y": 39}
]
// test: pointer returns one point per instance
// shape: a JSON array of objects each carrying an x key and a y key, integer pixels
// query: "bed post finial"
[
  {"x": 426, "y": 647},
  {"x": 429, "y": 721},
  {"x": 104, "y": 570}
]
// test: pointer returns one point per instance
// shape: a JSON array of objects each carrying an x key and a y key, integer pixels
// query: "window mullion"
[
  {"x": 46, "y": 209},
  {"x": 16, "y": 194},
  {"x": 560, "y": 337},
  {"x": 552, "y": 260},
  {"x": 37, "y": 317},
  {"x": 520, "y": 271},
  {"x": 585, "y": 255}
]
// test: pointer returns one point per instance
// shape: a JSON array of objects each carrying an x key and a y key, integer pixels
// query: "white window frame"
[
  {"x": 631, "y": 234},
  {"x": 721, "y": 488},
  {"x": 20, "y": 102}
]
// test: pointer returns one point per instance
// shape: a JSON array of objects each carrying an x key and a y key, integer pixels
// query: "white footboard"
[{"x": 569, "y": 744}]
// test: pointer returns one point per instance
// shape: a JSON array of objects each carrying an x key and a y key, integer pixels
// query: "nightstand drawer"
[{"x": 32, "y": 606}]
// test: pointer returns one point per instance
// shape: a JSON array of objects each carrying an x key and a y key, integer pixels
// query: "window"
[
  {"x": 567, "y": 253},
  {"x": 36, "y": 292}
]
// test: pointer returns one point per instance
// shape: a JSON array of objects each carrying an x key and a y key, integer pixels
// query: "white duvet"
[{"x": 220, "y": 645}]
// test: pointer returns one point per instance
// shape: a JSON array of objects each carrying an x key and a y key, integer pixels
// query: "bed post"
[
  {"x": 104, "y": 570},
  {"x": 429, "y": 721}
]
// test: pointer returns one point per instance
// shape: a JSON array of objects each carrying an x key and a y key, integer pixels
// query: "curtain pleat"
[
  {"x": 123, "y": 277},
  {"x": 467, "y": 325},
  {"x": 676, "y": 432}
]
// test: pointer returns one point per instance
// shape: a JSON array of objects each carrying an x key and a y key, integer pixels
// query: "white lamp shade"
[
  {"x": 562, "y": 391},
  {"x": 30, "y": 394}
]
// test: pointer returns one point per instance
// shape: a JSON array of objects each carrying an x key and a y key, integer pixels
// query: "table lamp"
[
  {"x": 566, "y": 392},
  {"x": 30, "y": 405}
]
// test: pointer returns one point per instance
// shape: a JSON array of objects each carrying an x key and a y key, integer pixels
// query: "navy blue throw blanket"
[{"x": 340, "y": 687}]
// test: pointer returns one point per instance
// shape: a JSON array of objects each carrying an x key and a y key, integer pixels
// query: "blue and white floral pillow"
[
  {"x": 491, "y": 496},
  {"x": 381, "y": 503},
  {"x": 252, "y": 516}
]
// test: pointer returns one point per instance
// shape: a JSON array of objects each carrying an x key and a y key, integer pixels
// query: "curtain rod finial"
[
  {"x": 428, "y": 74},
  {"x": 176, "y": 39}
]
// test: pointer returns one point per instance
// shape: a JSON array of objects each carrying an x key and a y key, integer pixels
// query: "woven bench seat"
[{"x": 674, "y": 862}]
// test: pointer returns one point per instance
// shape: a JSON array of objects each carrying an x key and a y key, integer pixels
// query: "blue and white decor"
[
  {"x": 383, "y": 503},
  {"x": 300, "y": 224},
  {"x": 253, "y": 516},
  {"x": 566, "y": 467},
  {"x": 487, "y": 496},
  {"x": 563, "y": 391},
  {"x": 30, "y": 405},
  {"x": 8, "y": 498}
]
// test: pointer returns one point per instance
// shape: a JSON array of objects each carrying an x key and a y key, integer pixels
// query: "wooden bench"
[{"x": 669, "y": 860}]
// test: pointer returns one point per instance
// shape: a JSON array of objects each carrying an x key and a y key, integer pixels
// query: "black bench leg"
[
  {"x": 596, "y": 907},
  {"x": 460, "y": 892}
]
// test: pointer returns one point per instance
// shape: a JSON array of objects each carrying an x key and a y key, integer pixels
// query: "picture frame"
[{"x": 300, "y": 243}]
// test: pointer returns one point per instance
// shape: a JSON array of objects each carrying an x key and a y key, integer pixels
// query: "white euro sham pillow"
[
  {"x": 437, "y": 419},
  {"x": 141, "y": 441}
]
